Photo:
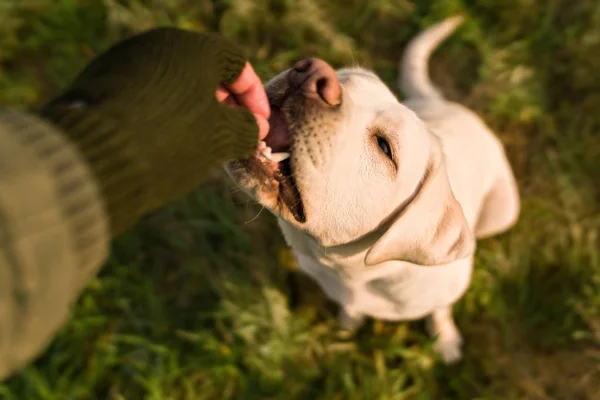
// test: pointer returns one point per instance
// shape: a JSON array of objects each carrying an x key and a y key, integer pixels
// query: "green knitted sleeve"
[{"x": 145, "y": 117}]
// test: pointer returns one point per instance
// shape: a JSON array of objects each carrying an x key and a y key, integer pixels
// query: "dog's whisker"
[{"x": 256, "y": 216}]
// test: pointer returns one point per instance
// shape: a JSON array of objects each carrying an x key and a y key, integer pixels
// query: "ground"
[{"x": 201, "y": 300}]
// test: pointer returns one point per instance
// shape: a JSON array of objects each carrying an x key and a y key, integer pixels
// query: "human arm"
[{"x": 100, "y": 156}]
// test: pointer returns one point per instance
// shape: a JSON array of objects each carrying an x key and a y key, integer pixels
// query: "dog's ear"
[{"x": 431, "y": 229}]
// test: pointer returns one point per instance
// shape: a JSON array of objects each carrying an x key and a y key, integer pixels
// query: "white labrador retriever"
[{"x": 381, "y": 201}]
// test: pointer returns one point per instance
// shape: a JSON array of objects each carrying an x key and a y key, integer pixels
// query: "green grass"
[{"x": 200, "y": 301}]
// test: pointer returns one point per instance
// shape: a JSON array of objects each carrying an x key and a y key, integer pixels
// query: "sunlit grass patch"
[{"x": 201, "y": 299}]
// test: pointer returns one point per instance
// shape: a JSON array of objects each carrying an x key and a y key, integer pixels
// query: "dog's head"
[{"x": 360, "y": 164}]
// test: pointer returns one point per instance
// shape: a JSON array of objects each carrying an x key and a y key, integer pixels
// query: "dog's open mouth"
[{"x": 275, "y": 155}]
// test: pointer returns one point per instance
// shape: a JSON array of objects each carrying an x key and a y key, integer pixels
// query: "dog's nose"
[{"x": 316, "y": 80}]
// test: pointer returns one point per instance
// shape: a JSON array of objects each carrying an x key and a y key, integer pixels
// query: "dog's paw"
[
  {"x": 349, "y": 323},
  {"x": 449, "y": 346},
  {"x": 448, "y": 342}
]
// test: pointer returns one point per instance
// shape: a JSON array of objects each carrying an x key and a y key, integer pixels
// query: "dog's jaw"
[{"x": 268, "y": 175}]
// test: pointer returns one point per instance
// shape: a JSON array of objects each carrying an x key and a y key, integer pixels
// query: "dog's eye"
[{"x": 384, "y": 146}]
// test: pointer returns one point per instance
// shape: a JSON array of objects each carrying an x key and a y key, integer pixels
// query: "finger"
[
  {"x": 261, "y": 121},
  {"x": 263, "y": 126},
  {"x": 222, "y": 94},
  {"x": 250, "y": 92},
  {"x": 231, "y": 101}
]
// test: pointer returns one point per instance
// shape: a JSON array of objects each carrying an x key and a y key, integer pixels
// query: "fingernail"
[{"x": 263, "y": 127}]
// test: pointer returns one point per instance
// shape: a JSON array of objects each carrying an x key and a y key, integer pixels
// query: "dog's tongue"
[{"x": 279, "y": 138}]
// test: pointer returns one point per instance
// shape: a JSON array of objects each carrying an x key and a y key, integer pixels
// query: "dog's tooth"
[
  {"x": 267, "y": 152},
  {"x": 278, "y": 157}
]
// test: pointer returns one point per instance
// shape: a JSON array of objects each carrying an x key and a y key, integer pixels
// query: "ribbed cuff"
[
  {"x": 121, "y": 176},
  {"x": 240, "y": 126},
  {"x": 53, "y": 235},
  {"x": 238, "y": 123},
  {"x": 231, "y": 61}
]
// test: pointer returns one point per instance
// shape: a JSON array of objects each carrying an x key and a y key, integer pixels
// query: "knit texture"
[
  {"x": 145, "y": 117},
  {"x": 53, "y": 235}
]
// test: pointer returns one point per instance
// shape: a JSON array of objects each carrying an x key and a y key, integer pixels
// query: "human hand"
[
  {"x": 157, "y": 95},
  {"x": 248, "y": 91}
]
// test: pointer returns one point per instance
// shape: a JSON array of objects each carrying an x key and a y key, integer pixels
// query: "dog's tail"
[{"x": 414, "y": 74}]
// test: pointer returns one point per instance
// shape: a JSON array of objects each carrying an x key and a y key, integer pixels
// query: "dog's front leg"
[
  {"x": 448, "y": 341},
  {"x": 350, "y": 321}
]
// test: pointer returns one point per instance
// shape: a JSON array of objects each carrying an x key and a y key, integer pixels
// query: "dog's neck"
[{"x": 347, "y": 255}]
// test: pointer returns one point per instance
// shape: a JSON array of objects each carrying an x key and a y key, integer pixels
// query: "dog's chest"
[{"x": 392, "y": 291}]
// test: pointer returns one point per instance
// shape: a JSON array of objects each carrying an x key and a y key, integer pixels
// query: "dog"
[{"x": 382, "y": 201}]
